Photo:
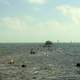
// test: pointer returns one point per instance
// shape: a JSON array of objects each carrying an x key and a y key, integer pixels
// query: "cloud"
[
  {"x": 70, "y": 11},
  {"x": 18, "y": 24},
  {"x": 25, "y": 28},
  {"x": 37, "y": 2},
  {"x": 28, "y": 24}
]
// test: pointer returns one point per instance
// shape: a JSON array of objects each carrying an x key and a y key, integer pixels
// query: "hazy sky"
[{"x": 39, "y": 20}]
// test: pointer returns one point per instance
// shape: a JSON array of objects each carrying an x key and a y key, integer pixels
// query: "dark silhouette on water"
[
  {"x": 78, "y": 65},
  {"x": 32, "y": 51},
  {"x": 34, "y": 77},
  {"x": 48, "y": 43},
  {"x": 23, "y": 65}
]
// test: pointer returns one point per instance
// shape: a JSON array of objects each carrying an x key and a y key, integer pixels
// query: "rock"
[
  {"x": 36, "y": 72},
  {"x": 78, "y": 65},
  {"x": 32, "y": 51},
  {"x": 33, "y": 77},
  {"x": 23, "y": 66},
  {"x": 11, "y": 61}
]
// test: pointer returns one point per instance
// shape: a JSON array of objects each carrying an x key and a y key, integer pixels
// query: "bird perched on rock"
[{"x": 11, "y": 61}]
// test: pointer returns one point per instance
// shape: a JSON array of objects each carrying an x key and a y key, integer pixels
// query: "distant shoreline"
[{"x": 38, "y": 42}]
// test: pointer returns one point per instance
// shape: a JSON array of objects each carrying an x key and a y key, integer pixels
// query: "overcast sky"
[{"x": 39, "y": 20}]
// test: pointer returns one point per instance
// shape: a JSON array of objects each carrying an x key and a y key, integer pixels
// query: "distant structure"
[{"x": 57, "y": 41}]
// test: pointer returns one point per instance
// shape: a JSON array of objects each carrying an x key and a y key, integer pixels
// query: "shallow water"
[{"x": 55, "y": 63}]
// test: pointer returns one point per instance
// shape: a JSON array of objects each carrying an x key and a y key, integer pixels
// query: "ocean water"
[{"x": 57, "y": 62}]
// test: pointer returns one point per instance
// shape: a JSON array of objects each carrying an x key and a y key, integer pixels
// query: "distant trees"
[{"x": 48, "y": 43}]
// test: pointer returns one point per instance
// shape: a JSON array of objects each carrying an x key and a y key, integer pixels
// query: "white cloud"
[
  {"x": 28, "y": 25},
  {"x": 18, "y": 24},
  {"x": 13, "y": 23},
  {"x": 26, "y": 28},
  {"x": 70, "y": 11},
  {"x": 38, "y": 2}
]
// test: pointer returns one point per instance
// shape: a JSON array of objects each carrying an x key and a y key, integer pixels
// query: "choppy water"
[{"x": 55, "y": 63}]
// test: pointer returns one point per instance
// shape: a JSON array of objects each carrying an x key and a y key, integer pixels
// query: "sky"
[{"x": 39, "y": 20}]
